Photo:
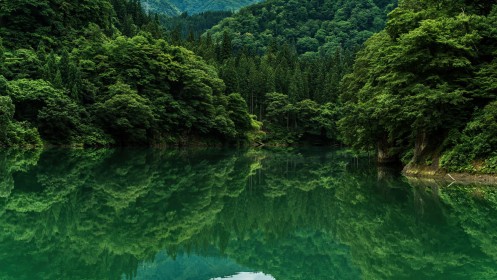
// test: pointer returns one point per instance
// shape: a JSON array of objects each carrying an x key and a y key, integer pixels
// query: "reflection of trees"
[
  {"x": 412, "y": 233},
  {"x": 296, "y": 214},
  {"x": 473, "y": 208},
  {"x": 14, "y": 161},
  {"x": 96, "y": 210},
  {"x": 283, "y": 223},
  {"x": 327, "y": 222}
]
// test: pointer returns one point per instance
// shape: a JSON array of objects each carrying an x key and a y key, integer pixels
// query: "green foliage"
[
  {"x": 256, "y": 135},
  {"x": 74, "y": 93},
  {"x": 280, "y": 70},
  {"x": 300, "y": 49},
  {"x": 475, "y": 150},
  {"x": 127, "y": 117},
  {"x": 138, "y": 212},
  {"x": 312, "y": 26},
  {"x": 13, "y": 133},
  {"x": 30, "y": 96},
  {"x": 302, "y": 121},
  {"x": 60, "y": 121},
  {"x": 28, "y": 22},
  {"x": 186, "y": 29},
  {"x": 238, "y": 113},
  {"x": 85, "y": 60},
  {"x": 183, "y": 95},
  {"x": 38, "y": 103},
  {"x": 21, "y": 63},
  {"x": 420, "y": 78}
]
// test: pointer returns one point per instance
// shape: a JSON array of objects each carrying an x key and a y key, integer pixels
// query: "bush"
[{"x": 476, "y": 149}]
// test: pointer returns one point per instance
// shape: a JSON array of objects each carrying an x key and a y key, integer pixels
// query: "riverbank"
[{"x": 441, "y": 175}]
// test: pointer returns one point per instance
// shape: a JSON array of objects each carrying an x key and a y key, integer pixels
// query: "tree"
[
  {"x": 6, "y": 114},
  {"x": 411, "y": 84},
  {"x": 30, "y": 96},
  {"x": 59, "y": 122},
  {"x": 226, "y": 48},
  {"x": 128, "y": 117},
  {"x": 238, "y": 113},
  {"x": 14, "y": 133}
]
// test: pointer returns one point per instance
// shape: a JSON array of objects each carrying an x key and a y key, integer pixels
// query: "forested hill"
[
  {"x": 164, "y": 7},
  {"x": 311, "y": 25},
  {"x": 105, "y": 73},
  {"x": 422, "y": 88},
  {"x": 287, "y": 58},
  {"x": 102, "y": 73},
  {"x": 176, "y": 7}
]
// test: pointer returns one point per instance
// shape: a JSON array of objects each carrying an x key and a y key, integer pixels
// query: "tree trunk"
[
  {"x": 428, "y": 147},
  {"x": 385, "y": 153},
  {"x": 420, "y": 147}
]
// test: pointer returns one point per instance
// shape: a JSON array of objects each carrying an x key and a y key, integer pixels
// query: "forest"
[{"x": 413, "y": 80}]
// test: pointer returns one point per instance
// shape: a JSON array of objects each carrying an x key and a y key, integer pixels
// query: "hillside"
[
  {"x": 176, "y": 7},
  {"x": 287, "y": 58},
  {"x": 311, "y": 26},
  {"x": 70, "y": 76},
  {"x": 422, "y": 89},
  {"x": 161, "y": 7}
]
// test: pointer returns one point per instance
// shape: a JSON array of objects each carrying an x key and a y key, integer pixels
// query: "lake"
[{"x": 266, "y": 214}]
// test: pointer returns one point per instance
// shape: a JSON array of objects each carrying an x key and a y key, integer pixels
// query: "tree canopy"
[
  {"x": 418, "y": 83},
  {"x": 119, "y": 83}
]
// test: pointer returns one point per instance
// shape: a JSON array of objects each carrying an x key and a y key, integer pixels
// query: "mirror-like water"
[{"x": 245, "y": 215}]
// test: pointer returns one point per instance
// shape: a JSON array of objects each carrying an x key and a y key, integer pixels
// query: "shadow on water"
[{"x": 198, "y": 214}]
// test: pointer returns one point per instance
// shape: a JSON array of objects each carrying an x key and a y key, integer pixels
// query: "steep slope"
[
  {"x": 25, "y": 22},
  {"x": 312, "y": 25},
  {"x": 100, "y": 74},
  {"x": 287, "y": 58},
  {"x": 176, "y": 7}
]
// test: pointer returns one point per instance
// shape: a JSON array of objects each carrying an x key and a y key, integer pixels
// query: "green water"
[{"x": 279, "y": 214}]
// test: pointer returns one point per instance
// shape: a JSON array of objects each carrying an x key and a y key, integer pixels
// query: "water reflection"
[{"x": 292, "y": 214}]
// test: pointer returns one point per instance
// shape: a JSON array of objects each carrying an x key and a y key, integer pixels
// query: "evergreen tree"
[
  {"x": 226, "y": 47},
  {"x": 64, "y": 66}
]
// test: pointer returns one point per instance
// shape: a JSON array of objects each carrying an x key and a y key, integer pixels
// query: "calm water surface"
[{"x": 243, "y": 215}]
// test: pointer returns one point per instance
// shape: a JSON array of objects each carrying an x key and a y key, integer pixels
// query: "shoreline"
[{"x": 430, "y": 173}]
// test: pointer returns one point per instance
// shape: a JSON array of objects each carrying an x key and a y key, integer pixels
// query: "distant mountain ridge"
[
  {"x": 176, "y": 7},
  {"x": 161, "y": 7}
]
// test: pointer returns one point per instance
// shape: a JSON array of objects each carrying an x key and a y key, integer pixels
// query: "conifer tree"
[{"x": 226, "y": 47}]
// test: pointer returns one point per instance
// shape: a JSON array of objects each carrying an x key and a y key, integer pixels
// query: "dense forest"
[
  {"x": 70, "y": 77},
  {"x": 424, "y": 89},
  {"x": 186, "y": 29},
  {"x": 125, "y": 77},
  {"x": 287, "y": 58},
  {"x": 413, "y": 80}
]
